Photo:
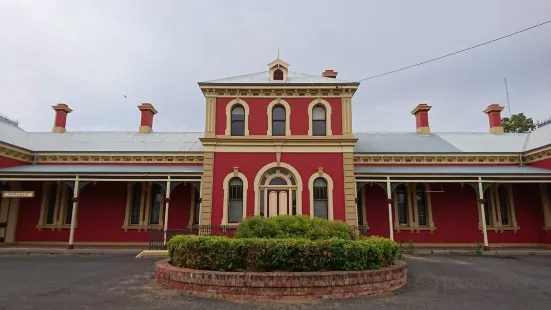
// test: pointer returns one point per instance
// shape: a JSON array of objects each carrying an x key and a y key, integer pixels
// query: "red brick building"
[{"x": 275, "y": 142}]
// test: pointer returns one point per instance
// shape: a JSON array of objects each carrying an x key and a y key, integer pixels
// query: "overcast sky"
[{"x": 89, "y": 54}]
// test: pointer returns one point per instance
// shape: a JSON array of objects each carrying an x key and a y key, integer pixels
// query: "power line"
[{"x": 460, "y": 51}]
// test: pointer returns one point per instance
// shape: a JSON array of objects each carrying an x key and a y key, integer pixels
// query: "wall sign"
[{"x": 17, "y": 194}]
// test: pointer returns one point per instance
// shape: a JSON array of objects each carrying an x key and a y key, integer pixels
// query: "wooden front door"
[{"x": 278, "y": 202}]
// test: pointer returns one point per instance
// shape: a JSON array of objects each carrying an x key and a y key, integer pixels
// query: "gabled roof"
[{"x": 264, "y": 78}]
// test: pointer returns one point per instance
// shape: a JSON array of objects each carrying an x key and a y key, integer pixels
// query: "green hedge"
[
  {"x": 289, "y": 226},
  {"x": 257, "y": 254}
]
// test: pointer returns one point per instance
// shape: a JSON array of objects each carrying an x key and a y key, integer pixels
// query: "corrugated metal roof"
[
  {"x": 83, "y": 169},
  {"x": 475, "y": 170},
  {"x": 116, "y": 142},
  {"x": 456, "y": 142},
  {"x": 13, "y": 135},
  {"x": 264, "y": 78},
  {"x": 538, "y": 138}
]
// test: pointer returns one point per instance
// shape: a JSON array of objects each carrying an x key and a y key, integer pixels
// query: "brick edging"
[{"x": 280, "y": 285}]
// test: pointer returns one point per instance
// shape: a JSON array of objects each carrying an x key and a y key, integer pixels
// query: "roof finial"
[{"x": 278, "y": 57}]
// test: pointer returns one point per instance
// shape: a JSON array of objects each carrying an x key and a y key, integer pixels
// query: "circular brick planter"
[{"x": 280, "y": 285}]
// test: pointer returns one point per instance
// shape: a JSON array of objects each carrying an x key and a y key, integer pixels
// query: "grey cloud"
[{"x": 90, "y": 54}]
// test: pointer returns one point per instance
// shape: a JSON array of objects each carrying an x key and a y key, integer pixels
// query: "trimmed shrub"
[
  {"x": 289, "y": 226},
  {"x": 291, "y": 254}
]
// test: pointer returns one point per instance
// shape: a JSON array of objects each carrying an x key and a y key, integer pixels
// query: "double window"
[
  {"x": 57, "y": 205},
  {"x": 412, "y": 207},
  {"x": 144, "y": 206},
  {"x": 499, "y": 210}
]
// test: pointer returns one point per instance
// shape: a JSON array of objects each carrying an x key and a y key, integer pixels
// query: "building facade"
[{"x": 275, "y": 142}]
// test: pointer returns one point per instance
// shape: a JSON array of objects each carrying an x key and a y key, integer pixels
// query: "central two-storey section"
[{"x": 278, "y": 142}]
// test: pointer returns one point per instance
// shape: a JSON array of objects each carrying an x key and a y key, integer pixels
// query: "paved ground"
[{"x": 118, "y": 281}]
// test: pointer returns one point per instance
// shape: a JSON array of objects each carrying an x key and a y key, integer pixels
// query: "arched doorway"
[{"x": 278, "y": 193}]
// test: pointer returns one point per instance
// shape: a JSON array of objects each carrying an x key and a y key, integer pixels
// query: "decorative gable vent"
[{"x": 278, "y": 70}]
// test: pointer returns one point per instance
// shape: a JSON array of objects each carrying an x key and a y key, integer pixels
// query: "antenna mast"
[{"x": 507, "y": 93}]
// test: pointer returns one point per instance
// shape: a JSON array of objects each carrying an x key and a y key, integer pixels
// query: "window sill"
[
  {"x": 142, "y": 227},
  {"x": 399, "y": 228},
  {"x": 501, "y": 228},
  {"x": 54, "y": 227}
]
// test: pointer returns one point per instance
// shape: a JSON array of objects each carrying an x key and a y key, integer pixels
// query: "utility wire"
[{"x": 448, "y": 55}]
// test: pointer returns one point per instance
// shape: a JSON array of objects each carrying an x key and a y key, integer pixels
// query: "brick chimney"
[
  {"x": 494, "y": 116},
  {"x": 146, "y": 124},
  {"x": 329, "y": 74},
  {"x": 61, "y": 111},
  {"x": 421, "y": 113}
]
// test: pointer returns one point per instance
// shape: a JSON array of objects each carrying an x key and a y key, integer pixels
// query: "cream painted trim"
[
  {"x": 126, "y": 158},
  {"x": 287, "y": 107},
  {"x": 546, "y": 204},
  {"x": 257, "y": 185},
  {"x": 192, "y": 205},
  {"x": 12, "y": 216},
  {"x": 231, "y": 175},
  {"x": 346, "y": 112},
  {"x": 210, "y": 115},
  {"x": 363, "y": 197},
  {"x": 413, "y": 159},
  {"x": 328, "y": 112},
  {"x": 11, "y": 152},
  {"x": 329, "y": 193},
  {"x": 229, "y": 107}
]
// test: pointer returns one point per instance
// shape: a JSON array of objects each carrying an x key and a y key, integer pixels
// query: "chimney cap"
[
  {"x": 329, "y": 73},
  {"x": 147, "y": 107},
  {"x": 421, "y": 107},
  {"x": 493, "y": 108},
  {"x": 62, "y": 107}
]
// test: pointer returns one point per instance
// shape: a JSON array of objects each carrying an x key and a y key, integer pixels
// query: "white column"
[
  {"x": 74, "y": 214},
  {"x": 389, "y": 200},
  {"x": 167, "y": 204},
  {"x": 482, "y": 213}
]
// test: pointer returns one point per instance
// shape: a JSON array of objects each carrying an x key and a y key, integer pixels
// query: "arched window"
[
  {"x": 318, "y": 121},
  {"x": 235, "y": 200},
  {"x": 155, "y": 204},
  {"x": 50, "y": 209},
  {"x": 238, "y": 121},
  {"x": 421, "y": 200},
  {"x": 136, "y": 204},
  {"x": 278, "y": 121},
  {"x": 277, "y": 193},
  {"x": 402, "y": 204},
  {"x": 278, "y": 75},
  {"x": 320, "y": 198}
]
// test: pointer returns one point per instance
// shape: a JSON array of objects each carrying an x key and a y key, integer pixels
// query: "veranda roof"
[
  {"x": 96, "y": 169},
  {"x": 454, "y": 170}
]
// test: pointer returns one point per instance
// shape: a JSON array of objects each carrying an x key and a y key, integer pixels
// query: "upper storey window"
[
  {"x": 278, "y": 121},
  {"x": 238, "y": 121},
  {"x": 318, "y": 121}
]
